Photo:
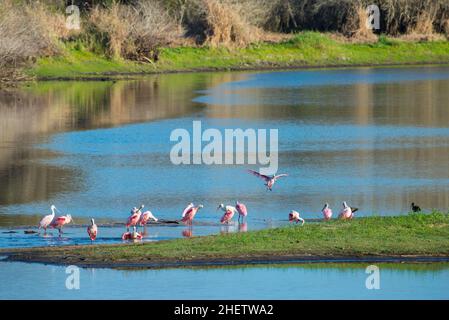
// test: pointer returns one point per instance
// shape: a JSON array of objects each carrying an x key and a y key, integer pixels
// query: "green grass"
[
  {"x": 306, "y": 49},
  {"x": 414, "y": 234}
]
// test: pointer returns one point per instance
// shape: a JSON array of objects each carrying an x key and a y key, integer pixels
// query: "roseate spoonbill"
[
  {"x": 229, "y": 212},
  {"x": 132, "y": 235},
  {"x": 346, "y": 212},
  {"x": 189, "y": 213},
  {"x": 47, "y": 220},
  {"x": 189, "y": 206},
  {"x": 59, "y": 222},
  {"x": 327, "y": 212},
  {"x": 134, "y": 218},
  {"x": 241, "y": 209},
  {"x": 145, "y": 217},
  {"x": 92, "y": 230},
  {"x": 269, "y": 180},
  {"x": 293, "y": 216},
  {"x": 415, "y": 207}
]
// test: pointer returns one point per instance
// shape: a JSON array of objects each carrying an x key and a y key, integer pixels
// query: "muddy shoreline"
[{"x": 44, "y": 256}]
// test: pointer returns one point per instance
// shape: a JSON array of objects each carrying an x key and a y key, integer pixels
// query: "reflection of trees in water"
[
  {"x": 422, "y": 103},
  {"x": 27, "y": 116}
]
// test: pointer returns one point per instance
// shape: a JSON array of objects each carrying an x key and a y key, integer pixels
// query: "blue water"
[
  {"x": 287, "y": 282},
  {"x": 374, "y": 137}
]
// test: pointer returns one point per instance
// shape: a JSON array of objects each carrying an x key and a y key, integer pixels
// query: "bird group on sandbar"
[{"x": 137, "y": 218}]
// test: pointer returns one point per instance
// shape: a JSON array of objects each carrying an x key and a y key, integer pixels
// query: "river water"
[{"x": 377, "y": 138}]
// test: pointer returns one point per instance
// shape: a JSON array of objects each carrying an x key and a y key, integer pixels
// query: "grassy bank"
[
  {"x": 309, "y": 49},
  {"x": 415, "y": 234}
]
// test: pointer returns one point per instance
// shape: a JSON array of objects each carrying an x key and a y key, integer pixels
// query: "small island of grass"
[{"x": 403, "y": 238}]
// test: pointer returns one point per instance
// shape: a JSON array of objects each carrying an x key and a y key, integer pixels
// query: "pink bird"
[
  {"x": 92, "y": 230},
  {"x": 145, "y": 217},
  {"x": 189, "y": 213},
  {"x": 132, "y": 235},
  {"x": 241, "y": 209},
  {"x": 134, "y": 218},
  {"x": 293, "y": 216},
  {"x": 346, "y": 212},
  {"x": 47, "y": 220},
  {"x": 59, "y": 222},
  {"x": 229, "y": 212},
  {"x": 327, "y": 212},
  {"x": 187, "y": 209},
  {"x": 269, "y": 180}
]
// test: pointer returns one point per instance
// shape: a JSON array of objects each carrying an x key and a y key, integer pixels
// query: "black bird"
[{"x": 415, "y": 207}]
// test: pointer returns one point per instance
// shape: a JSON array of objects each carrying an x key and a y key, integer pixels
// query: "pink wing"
[
  {"x": 92, "y": 232},
  {"x": 257, "y": 174},
  {"x": 241, "y": 208},
  {"x": 227, "y": 216},
  {"x": 327, "y": 213},
  {"x": 59, "y": 221},
  {"x": 133, "y": 219},
  {"x": 187, "y": 209},
  {"x": 280, "y": 175}
]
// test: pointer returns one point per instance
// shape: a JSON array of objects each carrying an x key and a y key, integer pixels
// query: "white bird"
[{"x": 47, "y": 220}]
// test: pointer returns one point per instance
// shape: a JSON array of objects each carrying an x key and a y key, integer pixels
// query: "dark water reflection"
[{"x": 377, "y": 138}]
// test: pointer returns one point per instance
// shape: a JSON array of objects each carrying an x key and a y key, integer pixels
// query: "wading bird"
[
  {"x": 134, "y": 218},
  {"x": 229, "y": 212},
  {"x": 59, "y": 222},
  {"x": 145, "y": 217},
  {"x": 92, "y": 230},
  {"x": 132, "y": 235},
  {"x": 47, "y": 220},
  {"x": 189, "y": 206},
  {"x": 346, "y": 212},
  {"x": 189, "y": 213},
  {"x": 269, "y": 180},
  {"x": 293, "y": 216},
  {"x": 415, "y": 207},
  {"x": 241, "y": 209},
  {"x": 327, "y": 212}
]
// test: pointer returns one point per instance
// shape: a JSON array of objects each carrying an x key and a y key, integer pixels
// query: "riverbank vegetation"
[
  {"x": 133, "y": 36},
  {"x": 411, "y": 235}
]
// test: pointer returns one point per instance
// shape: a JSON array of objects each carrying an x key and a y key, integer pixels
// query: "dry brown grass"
[
  {"x": 26, "y": 32},
  {"x": 363, "y": 33},
  {"x": 133, "y": 32}
]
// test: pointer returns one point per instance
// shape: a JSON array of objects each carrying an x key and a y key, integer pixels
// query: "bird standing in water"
[
  {"x": 327, "y": 212},
  {"x": 189, "y": 213},
  {"x": 134, "y": 218},
  {"x": 229, "y": 212},
  {"x": 92, "y": 230},
  {"x": 47, "y": 220},
  {"x": 269, "y": 180},
  {"x": 145, "y": 217},
  {"x": 241, "y": 209},
  {"x": 59, "y": 222}
]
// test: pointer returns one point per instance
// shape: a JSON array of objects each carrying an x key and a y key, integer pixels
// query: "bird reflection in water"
[
  {"x": 243, "y": 227},
  {"x": 187, "y": 233}
]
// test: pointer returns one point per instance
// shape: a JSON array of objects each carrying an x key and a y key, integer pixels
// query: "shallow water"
[
  {"x": 375, "y": 137},
  {"x": 404, "y": 281}
]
